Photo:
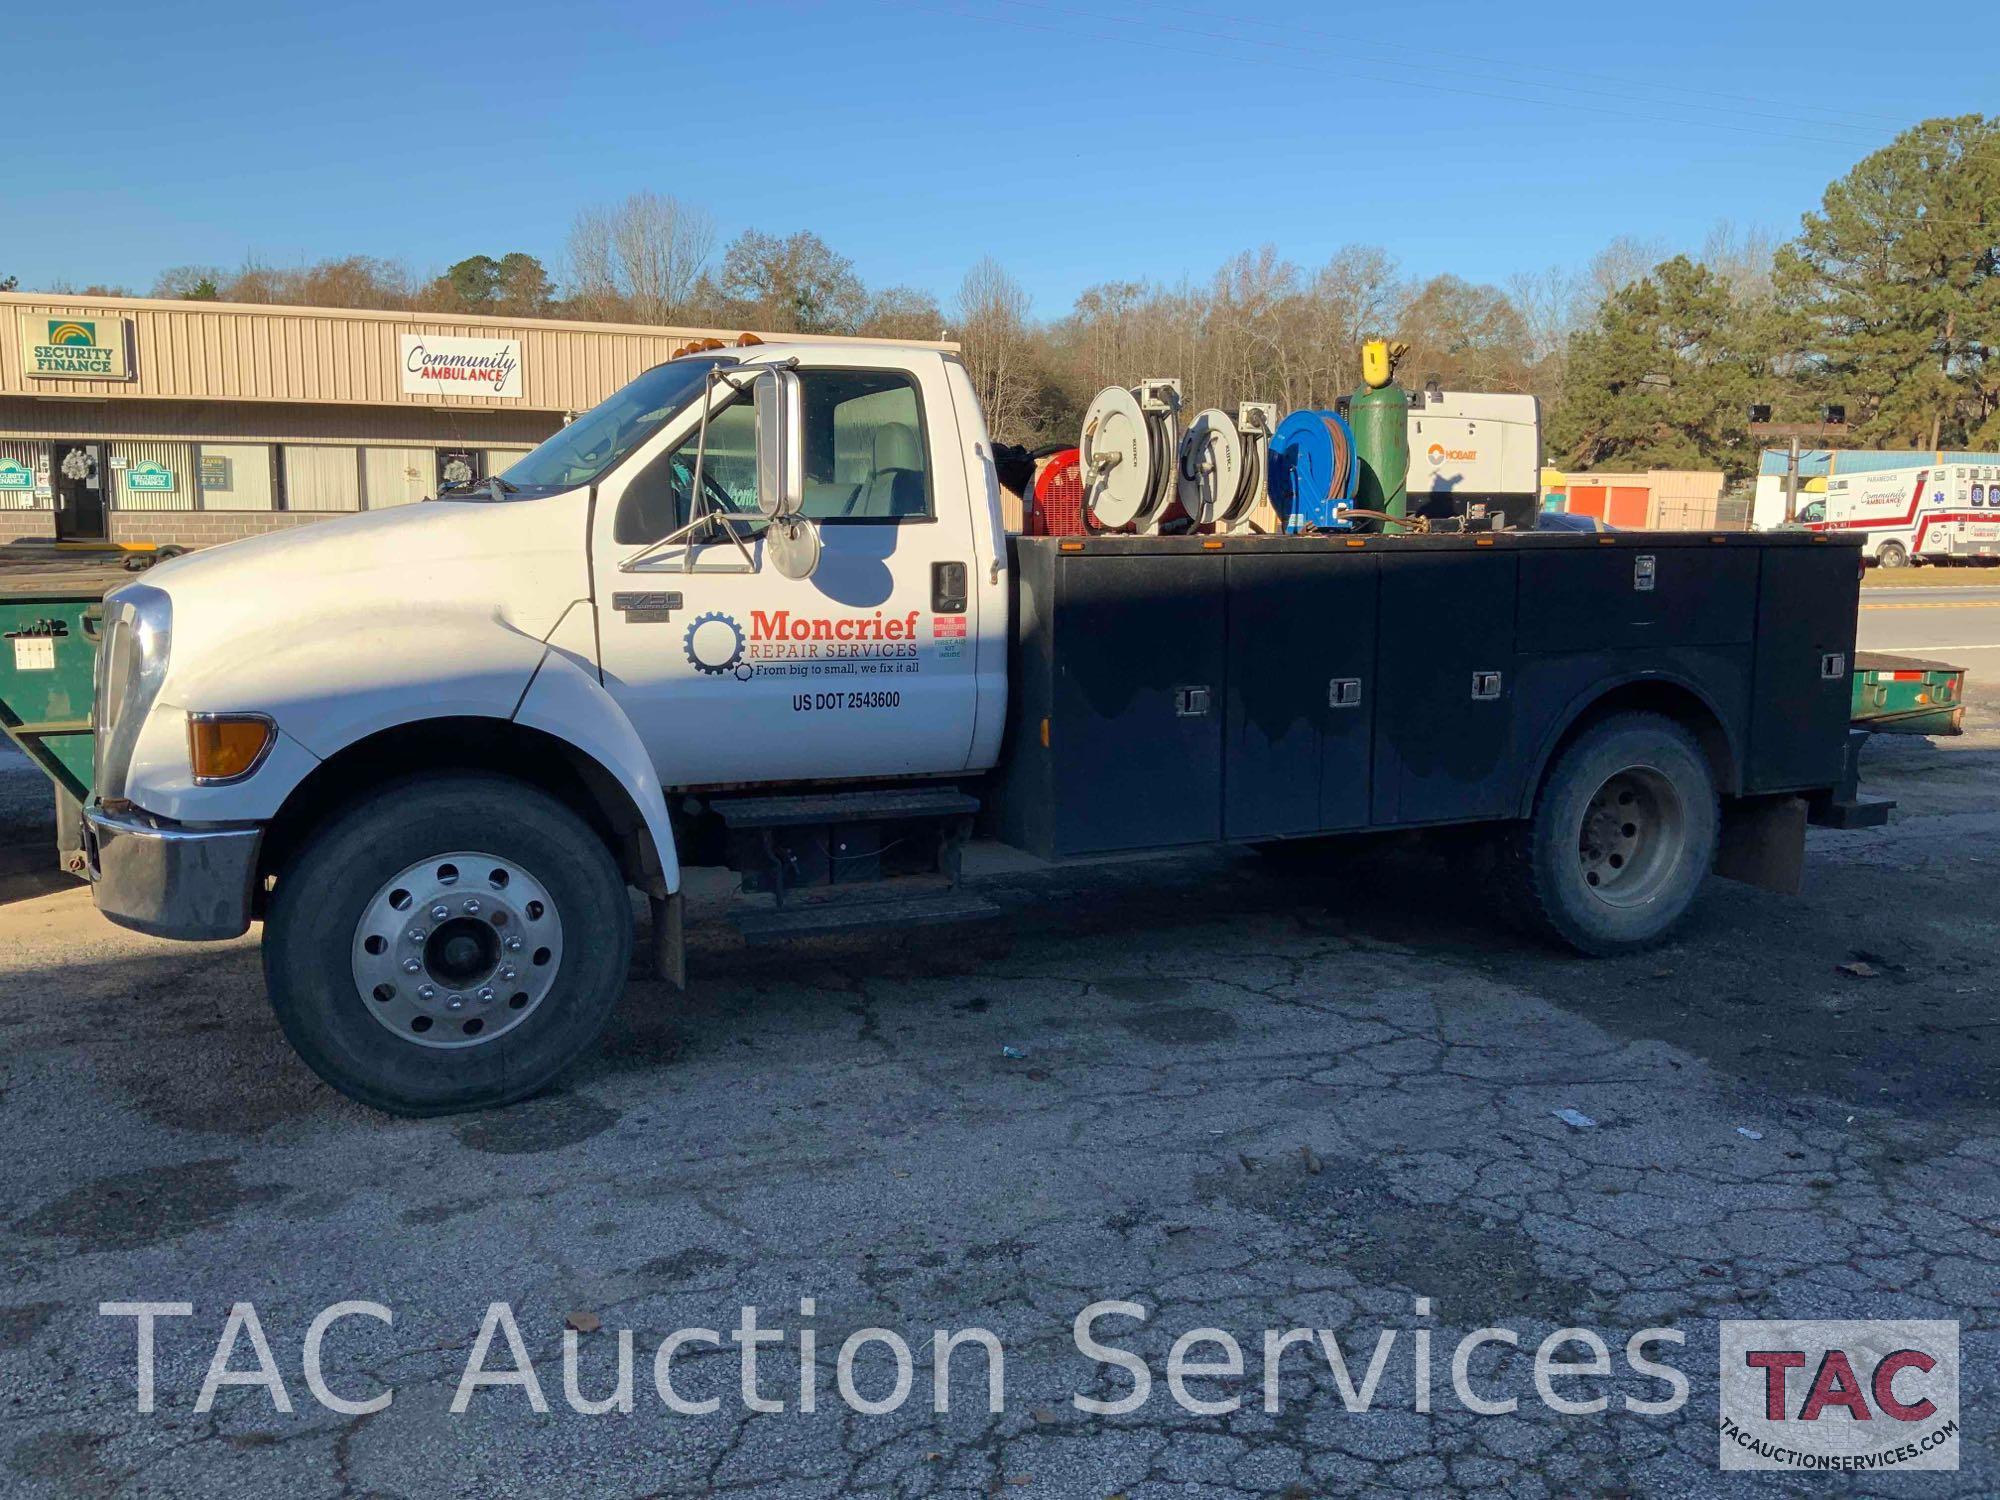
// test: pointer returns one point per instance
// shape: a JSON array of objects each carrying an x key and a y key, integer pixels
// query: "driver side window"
[{"x": 656, "y": 501}]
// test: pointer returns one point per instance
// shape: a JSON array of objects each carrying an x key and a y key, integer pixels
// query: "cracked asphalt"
[{"x": 1238, "y": 1096}]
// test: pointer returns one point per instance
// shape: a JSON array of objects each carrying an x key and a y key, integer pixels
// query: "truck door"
[{"x": 732, "y": 672}]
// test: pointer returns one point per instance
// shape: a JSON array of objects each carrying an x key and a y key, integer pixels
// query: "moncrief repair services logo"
[
  {"x": 714, "y": 644},
  {"x": 1845, "y": 1396}
]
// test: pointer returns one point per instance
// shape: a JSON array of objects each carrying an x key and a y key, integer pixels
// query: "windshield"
[{"x": 583, "y": 450}]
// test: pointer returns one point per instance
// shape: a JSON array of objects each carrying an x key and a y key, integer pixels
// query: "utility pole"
[
  {"x": 1792, "y": 482},
  {"x": 1832, "y": 424}
]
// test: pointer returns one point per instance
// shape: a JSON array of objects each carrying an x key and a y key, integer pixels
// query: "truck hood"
[
  {"x": 522, "y": 561},
  {"x": 339, "y": 628}
]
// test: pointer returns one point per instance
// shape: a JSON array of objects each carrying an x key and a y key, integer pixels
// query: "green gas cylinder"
[{"x": 1379, "y": 413}]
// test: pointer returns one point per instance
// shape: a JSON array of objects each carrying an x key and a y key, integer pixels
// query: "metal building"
[{"x": 136, "y": 419}]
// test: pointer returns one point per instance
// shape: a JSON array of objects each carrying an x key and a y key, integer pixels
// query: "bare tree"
[
  {"x": 903, "y": 312},
  {"x": 1625, "y": 260},
  {"x": 1551, "y": 303},
  {"x": 641, "y": 259},
  {"x": 794, "y": 283},
  {"x": 993, "y": 327},
  {"x": 1742, "y": 256}
]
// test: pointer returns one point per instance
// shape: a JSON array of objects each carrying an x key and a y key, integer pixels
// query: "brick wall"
[
  {"x": 16, "y": 524},
  {"x": 205, "y": 528}
]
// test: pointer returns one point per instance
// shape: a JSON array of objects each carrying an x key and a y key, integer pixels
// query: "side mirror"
[{"x": 781, "y": 466}]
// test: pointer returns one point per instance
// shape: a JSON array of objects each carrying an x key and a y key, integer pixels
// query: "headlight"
[{"x": 131, "y": 665}]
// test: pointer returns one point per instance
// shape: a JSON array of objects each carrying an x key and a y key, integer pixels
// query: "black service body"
[{"x": 1188, "y": 690}]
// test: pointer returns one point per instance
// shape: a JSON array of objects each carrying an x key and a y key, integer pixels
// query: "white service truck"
[{"x": 758, "y": 610}]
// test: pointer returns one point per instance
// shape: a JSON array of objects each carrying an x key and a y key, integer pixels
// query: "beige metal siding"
[
  {"x": 215, "y": 351},
  {"x": 1685, "y": 499},
  {"x": 177, "y": 457}
]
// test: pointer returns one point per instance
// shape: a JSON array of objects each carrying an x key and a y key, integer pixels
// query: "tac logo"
[
  {"x": 714, "y": 645},
  {"x": 1840, "y": 1396},
  {"x": 69, "y": 334}
]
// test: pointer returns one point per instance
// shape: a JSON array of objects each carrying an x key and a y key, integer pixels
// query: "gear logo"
[{"x": 714, "y": 644}]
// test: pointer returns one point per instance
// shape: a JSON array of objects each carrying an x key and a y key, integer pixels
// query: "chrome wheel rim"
[
  {"x": 457, "y": 950},
  {"x": 1632, "y": 837}
]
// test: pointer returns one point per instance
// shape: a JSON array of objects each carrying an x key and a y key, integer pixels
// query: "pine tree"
[
  {"x": 1663, "y": 378},
  {"x": 1891, "y": 288}
]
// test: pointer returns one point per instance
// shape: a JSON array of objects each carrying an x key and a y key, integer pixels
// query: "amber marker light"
[{"x": 227, "y": 747}]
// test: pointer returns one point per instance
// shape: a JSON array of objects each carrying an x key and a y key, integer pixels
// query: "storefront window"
[
  {"x": 322, "y": 477},
  {"x": 398, "y": 476},
  {"x": 234, "y": 476},
  {"x": 23, "y": 476}
]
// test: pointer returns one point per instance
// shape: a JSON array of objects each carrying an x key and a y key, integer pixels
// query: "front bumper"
[{"x": 170, "y": 880}]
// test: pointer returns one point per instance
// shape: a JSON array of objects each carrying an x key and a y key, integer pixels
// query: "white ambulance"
[{"x": 1934, "y": 513}]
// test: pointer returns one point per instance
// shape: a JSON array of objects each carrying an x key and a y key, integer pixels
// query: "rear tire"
[
  {"x": 1892, "y": 555},
  {"x": 1622, "y": 835},
  {"x": 353, "y": 909}
]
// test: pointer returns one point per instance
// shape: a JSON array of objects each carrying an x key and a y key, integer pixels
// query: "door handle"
[{"x": 948, "y": 588}]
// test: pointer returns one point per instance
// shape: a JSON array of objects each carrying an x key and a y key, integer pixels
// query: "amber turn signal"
[{"x": 227, "y": 747}]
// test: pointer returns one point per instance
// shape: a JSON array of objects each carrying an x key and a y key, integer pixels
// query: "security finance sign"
[{"x": 74, "y": 348}]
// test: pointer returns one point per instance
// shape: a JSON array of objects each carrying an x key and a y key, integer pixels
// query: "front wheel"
[
  {"x": 450, "y": 943},
  {"x": 1623, "y": 833}
]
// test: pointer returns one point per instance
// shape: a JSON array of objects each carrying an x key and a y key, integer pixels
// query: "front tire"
[
  {"x": 1623, "y": 833},
  {"x": 450, "y": 943}
]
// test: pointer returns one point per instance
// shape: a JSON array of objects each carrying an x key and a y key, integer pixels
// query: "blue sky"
[{"x": 1075, "y": 140}]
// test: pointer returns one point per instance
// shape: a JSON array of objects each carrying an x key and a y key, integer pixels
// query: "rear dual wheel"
[
  {"x": 1623, "y": 833},
  {"x": 450, "y": 943}
]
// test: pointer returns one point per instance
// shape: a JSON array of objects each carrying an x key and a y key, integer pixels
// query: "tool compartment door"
[
  {"x": 1136, "y": 732},
  {"x": 1443, "y": 715},
  {"x": 1301, "y": 693},
  {"x": 1637, "y": 595},
  {"x": 1802, "y": 693}
]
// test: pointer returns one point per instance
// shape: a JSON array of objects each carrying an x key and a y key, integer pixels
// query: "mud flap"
[
  {"x": 669, "y": 939},
  {"x": 1764, "y": 843}
]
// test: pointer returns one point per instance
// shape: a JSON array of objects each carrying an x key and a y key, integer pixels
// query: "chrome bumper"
[{"x": 167, "y": 879}]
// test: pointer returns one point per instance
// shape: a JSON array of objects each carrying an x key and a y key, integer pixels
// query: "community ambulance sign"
[{"x": 436, "y": 366}]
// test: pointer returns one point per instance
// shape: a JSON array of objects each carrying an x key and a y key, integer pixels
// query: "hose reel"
[
  {"x": 1127, "y": 453},
  {"x": 1314, "y": 472},
  {"x": 1224, "y": 464}
]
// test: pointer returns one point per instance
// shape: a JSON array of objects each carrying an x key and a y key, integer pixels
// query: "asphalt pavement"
[{"x": 1948, "y": 619}]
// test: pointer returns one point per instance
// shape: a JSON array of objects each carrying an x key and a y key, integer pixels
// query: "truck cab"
[{"x": 890, "y": 655}]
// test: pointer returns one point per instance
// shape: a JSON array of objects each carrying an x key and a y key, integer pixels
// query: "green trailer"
[
  {"x": 50, "y": 604},
  {"x": 1907, "y": 695}
]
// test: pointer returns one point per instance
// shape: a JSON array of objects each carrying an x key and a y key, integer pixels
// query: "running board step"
[
  {"x": 776, "y": 924},
  {"x": 843, "y": 807}
]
